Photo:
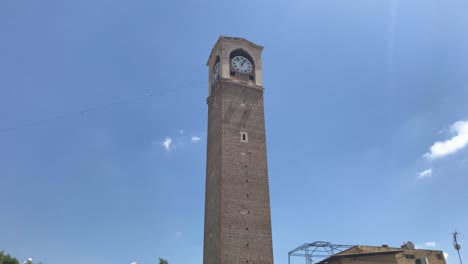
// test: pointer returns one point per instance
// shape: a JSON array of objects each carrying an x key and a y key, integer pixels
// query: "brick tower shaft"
[{"x": 237, "y": 204}]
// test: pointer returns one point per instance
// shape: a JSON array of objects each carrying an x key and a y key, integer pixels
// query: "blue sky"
[{"x": 366, "y": 116}]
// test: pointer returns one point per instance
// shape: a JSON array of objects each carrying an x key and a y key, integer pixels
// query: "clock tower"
[{"x": 237, "y": 202}]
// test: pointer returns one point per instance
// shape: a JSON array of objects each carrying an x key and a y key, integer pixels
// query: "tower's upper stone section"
[{"x": 225, "y": 46}]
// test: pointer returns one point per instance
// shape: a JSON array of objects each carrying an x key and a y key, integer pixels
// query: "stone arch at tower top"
[{"x": 241, "y": 50}]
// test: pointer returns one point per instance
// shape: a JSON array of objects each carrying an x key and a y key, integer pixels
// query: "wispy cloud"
[
  {"x": 430, "y": 244},
  {"x": 167, "y": 143},
  {"x": 178, "y": 140},
  {"x": 425, "y": 174},
  {"x": 443, "y": 148},
  {"x": 446, "y": 255}
]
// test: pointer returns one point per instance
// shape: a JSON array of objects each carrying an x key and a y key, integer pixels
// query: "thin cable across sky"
[{"x": 97, "y": 108}]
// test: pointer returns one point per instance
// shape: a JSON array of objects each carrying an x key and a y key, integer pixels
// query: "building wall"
[
  {"x": 211, "y": 249},
  {"x": 408, "y": 256},
  {"x": 237, "y": 210},
  {"x": 245, "y": 202},
  {"x": 385, "y": 259},
  {"x": 433, "y": 256}
]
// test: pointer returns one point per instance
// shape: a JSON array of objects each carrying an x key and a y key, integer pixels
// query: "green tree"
[
  {"x": 163, "y": 261},
  {"x": 7, "y": 259}
]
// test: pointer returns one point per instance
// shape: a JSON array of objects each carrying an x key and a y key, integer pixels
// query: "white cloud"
[
  {"x": 446, "y": 255},
  {"x": 431, "y": 244},
  {"x": 424, "y": 174},
  {"x": 443, "y": 148},
  {"x": 178, "y": 140},
  {"x": 167, "y": 143}
]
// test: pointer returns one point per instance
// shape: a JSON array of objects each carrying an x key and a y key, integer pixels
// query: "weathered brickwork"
[
  {"x": 213, "y": 182},
  {"x": 237, "y": 210}
]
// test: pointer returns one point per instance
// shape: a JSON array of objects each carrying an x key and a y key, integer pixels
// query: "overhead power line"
[{"x": 97, "y": 108}]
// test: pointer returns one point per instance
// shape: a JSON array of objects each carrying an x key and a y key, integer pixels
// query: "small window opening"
[
  {"x": 247, "y": 245},
  {"x": 439, "y": 256},
  {"x": 246, "y": 228},
  {"x": 244, "y": 137},
  {"x": 409, "y": 256},
  {"x": 247, "y": 195},
  {"x": 252, "y": 78},
  {"x": 247, "y": 180},
  {"x": 245, "y": 166},
  {"x": 232, "y": 73}
]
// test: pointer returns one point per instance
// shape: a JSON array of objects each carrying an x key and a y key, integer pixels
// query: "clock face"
[
  {"x": 241, "y": 64},
  {"x": 215, "y": 75}
]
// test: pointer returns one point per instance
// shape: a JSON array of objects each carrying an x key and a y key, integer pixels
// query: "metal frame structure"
[{"x": 316, "y": 251}]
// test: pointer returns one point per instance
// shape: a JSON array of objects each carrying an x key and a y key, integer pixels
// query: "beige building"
[{"x": 407, "y": 254}]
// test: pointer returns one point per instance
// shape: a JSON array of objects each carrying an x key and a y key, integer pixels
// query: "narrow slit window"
[{"x": 244, "y": 137}]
